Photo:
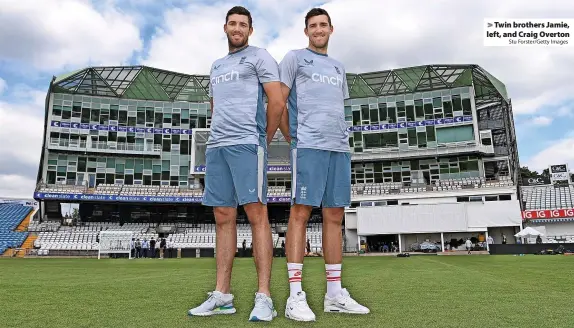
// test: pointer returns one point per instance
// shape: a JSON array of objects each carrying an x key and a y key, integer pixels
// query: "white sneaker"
[
  {"x": 263, "y": 309},
  {"x": 216, "y": 303},
  {"x": 297, "y": 308},
  {"x": 343, "y": 303}
]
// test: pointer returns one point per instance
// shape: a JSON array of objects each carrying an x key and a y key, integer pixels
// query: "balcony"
[
  {"x": 104, "y": 147},
  {"x": 457, "y": 148}
]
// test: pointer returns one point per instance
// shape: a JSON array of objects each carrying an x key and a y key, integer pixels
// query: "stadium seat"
[{"x": 10, "y": 217}]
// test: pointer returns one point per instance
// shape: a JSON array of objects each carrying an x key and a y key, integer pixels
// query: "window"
[
  {"x": 389, "y": 139},
  {"x": 410, "y": 113},
  {"x": 504, "y": 197},
  {"x": 372, "y": 140},
  {"x": 431, "y": 136},
  {"x": 392, "y": 112},
  {"x": 456, "y": 103},
  {"x": 447, "y": 106},
  {"x": 374, "y": 115},
  {"x": 382, "y": 111},
  {"x": 95, "y": 115},
  {"x": 419, "y": 109},
  {"x": 365, "y": 112},
  {"x": 356, "y": 117},
  {"x": 466, "y": 108},
  {"x": 454, "y": 134},
  {"x": 123, "y": 118},
  {"x": 412, "y": 136},
  {"x": 140, "y": 118}
]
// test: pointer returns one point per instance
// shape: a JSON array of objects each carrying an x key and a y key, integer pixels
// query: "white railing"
[
  {"x": 104, "y": 146},
  {"x": 441, "y": 149}
]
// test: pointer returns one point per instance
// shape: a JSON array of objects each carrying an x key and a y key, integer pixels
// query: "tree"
[
  {"x": 75, "y": 214},
  {"x": 526, "y": 173}
]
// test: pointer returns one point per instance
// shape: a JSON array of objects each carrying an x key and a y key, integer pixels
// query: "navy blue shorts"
[
  {"x": 320, "y": 178},
  {"x": 235, "y": 175}
]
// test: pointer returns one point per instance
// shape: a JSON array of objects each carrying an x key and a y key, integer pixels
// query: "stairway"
[
  {"x": 23, "y": 226},
  {"x": 28, "y": 244}
]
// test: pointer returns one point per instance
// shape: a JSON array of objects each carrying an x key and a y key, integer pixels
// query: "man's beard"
[
  {"x": 321, "y": 46},
  {"x": 241, "y": 44}
]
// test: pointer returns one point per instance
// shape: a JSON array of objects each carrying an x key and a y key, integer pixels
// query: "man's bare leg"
[
  {"x": 332, "y": 236},
  {"x": 262, "y": 244},
  {"x": 297, "y": 232},
  {"x": 226, "y": 245}
]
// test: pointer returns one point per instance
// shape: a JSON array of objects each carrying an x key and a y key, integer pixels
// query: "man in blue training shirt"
[
  {"x": 315, "y": 86},
  {"x": 236, "y": 159}
]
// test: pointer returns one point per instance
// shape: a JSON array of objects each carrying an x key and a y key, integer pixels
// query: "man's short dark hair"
[
  {"x": 239, "y": 10},
  {"x": 317, "y": 12}
]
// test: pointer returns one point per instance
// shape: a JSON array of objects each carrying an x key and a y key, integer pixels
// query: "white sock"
[
  {"x": 333, "y": 272},
  {"x": 295, "y": 274}
]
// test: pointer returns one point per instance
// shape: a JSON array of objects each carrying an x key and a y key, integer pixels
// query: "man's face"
[
  {"x": 238, "y": 30},
  {"x": 318, "y": 30}
]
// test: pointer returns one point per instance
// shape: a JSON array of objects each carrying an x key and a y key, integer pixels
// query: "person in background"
[
  {"x": 152, "y": 248},
  {"x": 138, "y": 248},
  {"x": 468, "y": 245},
  {"x": 145, "y": 247},
  {"x": 162, "y": 245},
  {"x": 490, "y": 240},
  {"x": 133, "y": 248}
]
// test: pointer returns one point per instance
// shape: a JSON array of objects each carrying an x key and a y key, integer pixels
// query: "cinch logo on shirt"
[
  {"x": 230, "y": 76},
  {"x": 336, "y": 81}
]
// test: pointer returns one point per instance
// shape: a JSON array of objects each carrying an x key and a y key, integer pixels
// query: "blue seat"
[{"x": 11, "y": 215}]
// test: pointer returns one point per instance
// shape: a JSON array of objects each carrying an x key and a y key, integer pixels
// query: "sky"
[{"x": 42, "y": 39}]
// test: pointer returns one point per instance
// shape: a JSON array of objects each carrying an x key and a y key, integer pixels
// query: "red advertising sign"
[{"x": 548, "y": 214}]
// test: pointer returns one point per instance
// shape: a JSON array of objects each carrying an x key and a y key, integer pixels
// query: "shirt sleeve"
[
  {"x": 266, "y": 67},
  {"x": 288, "y": 69}
]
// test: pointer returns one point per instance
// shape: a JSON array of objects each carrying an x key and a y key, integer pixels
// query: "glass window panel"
[
  {"x": 392, "y": 112},
  {"x": 431, "y": 136},
  {"x": 410, "y": 112},
  {"x": 466, "y": 107},
  {"x": 447, "y": 106},
  {"x": 374, "y": 115},
  {"x": 473, "y": 165},
  {"x": 372, "y": 140},
  {"x": 356, "y": 117},
  {"x": 365, "y": 112},
  {"x": 412, "y": 135},
  {"x": 456, "y": 103},
  {"x": 123, "y": 118},
  {"x": 419, "y": 109},
  {"x": 141, "y": 118},
  {"x": 422, "y": 140},
  {"x": 382, "y": 111},
  {"x": 390, "y": 139},
  {"x": 436, "y": 102}
]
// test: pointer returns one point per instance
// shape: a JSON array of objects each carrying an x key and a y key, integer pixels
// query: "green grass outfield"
[{"x": 422, "y": 291}]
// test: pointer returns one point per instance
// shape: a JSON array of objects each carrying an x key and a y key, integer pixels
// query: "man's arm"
[
  {"x": 284, "y": 124},
  {"x": 275, "y": 105},
  {"x": 288, "y": 72},
  {"x": 211, "y": 103}
]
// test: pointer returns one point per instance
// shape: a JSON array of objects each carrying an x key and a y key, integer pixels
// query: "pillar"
[
  {"x": 400, "y": 244},
  {"x": 487, "y": 245},
  {"x": 442, "y": 241}
]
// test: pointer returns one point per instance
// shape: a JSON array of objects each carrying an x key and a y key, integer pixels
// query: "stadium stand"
[
  {"x": 283, "y": 191},
  {"x": 547, "y": 197},
  {"x": 10, "y": 217},
  {"x": 57, "y": 240}
]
